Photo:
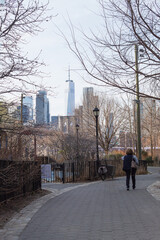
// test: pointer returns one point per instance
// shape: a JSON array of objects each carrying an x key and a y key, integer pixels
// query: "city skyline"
[
  {"x": 39, "y": 111},
  {"x": 56, "y": 54}
]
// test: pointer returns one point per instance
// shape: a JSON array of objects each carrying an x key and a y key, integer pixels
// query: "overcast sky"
[{"x": 55, "y": 51}]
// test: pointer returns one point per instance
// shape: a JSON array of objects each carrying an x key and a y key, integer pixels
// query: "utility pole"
[{"x": 138, "y": 105}]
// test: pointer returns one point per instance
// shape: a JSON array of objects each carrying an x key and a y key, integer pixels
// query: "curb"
[
  {"x": 154, "y": 190},
  {"x": 13, "y": 228}
]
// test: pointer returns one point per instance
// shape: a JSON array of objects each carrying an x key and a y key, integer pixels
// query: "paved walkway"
[{"x": 95, "y": 211}]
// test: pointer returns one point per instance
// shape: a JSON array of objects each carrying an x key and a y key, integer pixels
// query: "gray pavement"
[{"x": 95, "y": 211}]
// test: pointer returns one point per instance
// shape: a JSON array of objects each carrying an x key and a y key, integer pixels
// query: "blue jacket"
[{"x": 127, "y": 159}]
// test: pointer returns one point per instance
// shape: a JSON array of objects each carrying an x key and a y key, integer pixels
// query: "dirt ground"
[{"x": 11, "y": 207}]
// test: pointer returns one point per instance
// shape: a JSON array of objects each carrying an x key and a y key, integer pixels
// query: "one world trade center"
[{"x": 70, "y": 92}]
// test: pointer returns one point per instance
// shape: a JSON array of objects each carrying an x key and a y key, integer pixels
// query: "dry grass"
[{"x": 11, "y": 207}]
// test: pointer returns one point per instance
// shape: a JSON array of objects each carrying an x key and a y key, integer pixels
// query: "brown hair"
[{"x": 129, "y": 151}]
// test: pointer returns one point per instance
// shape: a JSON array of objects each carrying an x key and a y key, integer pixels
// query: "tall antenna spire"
[{"x": 69, "y": 71}]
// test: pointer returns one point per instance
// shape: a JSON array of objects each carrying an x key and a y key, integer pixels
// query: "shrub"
[
  {"x": 149, "y": 160},
  {"x": 144, "y": 154}
]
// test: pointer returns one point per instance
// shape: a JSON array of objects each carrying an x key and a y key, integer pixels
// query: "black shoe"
[
  {"x": 127, "y": 189},
  {"x": 134, "y": 188}
]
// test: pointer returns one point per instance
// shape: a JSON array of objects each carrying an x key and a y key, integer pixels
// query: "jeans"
[{"x": 133, "y": 173}]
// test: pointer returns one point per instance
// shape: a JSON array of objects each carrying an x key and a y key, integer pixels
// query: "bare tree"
[
  {"x": 19, "y": 19},
  {"x": 112, "y": 119},
  {"x": 108, "y": 54},
  {"x": 150, "y": 125},
  {"x": 129, "y": 104},
  {"x": 69, "y": 150},
  {"x": 150, "y": 119}
]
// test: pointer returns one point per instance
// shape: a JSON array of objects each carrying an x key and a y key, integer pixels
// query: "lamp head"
[
  {"x": 96, "y": 112},
  {"x": 77, "y": 126}
]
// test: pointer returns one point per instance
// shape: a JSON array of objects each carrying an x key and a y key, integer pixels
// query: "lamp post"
[
  {"x": 138, "y": 105},
  {"x": 22, "y": 109},
  {"x": 96, "y": 114},
  {"x": 22, "y": 113},
  {"x": 77, "y": 128}
]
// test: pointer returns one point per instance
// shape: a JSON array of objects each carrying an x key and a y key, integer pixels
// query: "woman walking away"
[{"x": 130, "y": 162}]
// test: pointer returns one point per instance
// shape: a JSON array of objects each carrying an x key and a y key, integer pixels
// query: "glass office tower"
[
  {"x": 28, "y": 107},
  {"x": 42, "y": 108}
]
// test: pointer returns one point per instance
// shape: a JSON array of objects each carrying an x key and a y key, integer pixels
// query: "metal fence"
[
  {"x": 79, "y": 171},
  {"x": 83, "y": 171},
  {"x": 18, "y": 178},
  {"x": 69, "y": 172}
]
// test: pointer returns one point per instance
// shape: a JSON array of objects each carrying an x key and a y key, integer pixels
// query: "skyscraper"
[
  {"x": 48, "y": 113},
  {"x": 70, "y": 92},
  {"x": 42, "y": 108},
  {"x": 27, "y": 110},
  {"x": 88, "y": 98},
  {"x": 28, "y": 104},
  {"x": 25, "y": 114}
]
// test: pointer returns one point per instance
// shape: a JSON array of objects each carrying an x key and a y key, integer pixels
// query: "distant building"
[
  {"x": 90, "y": 101},
  {"x": 88, "y": 95},
  {"x": 70, "y": 96},
  {"x": 67, "y": 124},
  {"x": 28, "y": 103},
  {"x": 27, "y": 110},
  {"x": 42, "y": 108},
  {"x": 25, "y": 113},
  {"x": 55, "y": 121},
  {"x": 48, "y": 112},
  {"x": 79, "y": 117}
]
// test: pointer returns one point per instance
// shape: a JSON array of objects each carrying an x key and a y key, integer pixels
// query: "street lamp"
[
  {"x": 96, "y": 114},
  {"x": 77, "y": 128},
  {"x": 22, "y": 109}
]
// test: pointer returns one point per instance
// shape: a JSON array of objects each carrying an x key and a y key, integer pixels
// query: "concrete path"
[
  {"x": 104, "y": 210},
  {"x": 96, "y": 211}
]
